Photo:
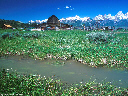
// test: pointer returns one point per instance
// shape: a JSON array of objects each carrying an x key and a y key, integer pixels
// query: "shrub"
[
  {"x": 9, "y": 35},
  {"x": 99, "y": 37},
  {"x": 36, "y": 35},
  {"x": 17, "y": 34},
  {"x": 5, "y": 35},
  {"x": 27, "y": 35}
]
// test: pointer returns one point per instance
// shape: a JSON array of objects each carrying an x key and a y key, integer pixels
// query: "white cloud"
[
  {"x": 67, "y": 7},
  {"x": 58, "y": 9}
]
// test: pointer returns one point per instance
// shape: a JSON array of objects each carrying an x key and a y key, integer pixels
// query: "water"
[{"x": 70, "y": 72}]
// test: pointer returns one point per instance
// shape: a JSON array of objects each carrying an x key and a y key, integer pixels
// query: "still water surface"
[{"x": 70, "y": 72}]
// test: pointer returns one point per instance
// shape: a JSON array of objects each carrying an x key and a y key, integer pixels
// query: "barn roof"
[{"x": 53, "y": 20}]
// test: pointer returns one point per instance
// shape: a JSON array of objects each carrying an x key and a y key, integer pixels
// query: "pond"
[{"x": 70, "y": 72}]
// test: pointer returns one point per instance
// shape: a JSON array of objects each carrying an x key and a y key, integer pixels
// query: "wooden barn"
[
  {"x": 52, "y": 24},
  {"x": 5, "y": 26}
]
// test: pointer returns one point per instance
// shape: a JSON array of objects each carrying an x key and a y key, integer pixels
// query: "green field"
[{"x": 97, "y": 49}]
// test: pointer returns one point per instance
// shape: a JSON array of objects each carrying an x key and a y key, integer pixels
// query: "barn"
[{"x": 52, "y": 24}]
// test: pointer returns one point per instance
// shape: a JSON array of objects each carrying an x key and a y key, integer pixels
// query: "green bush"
[
  {"x": 5, "y": 35},
  {"x": 12, "y": 35},
  {"x": 34, "y": 35},
  {"x": 8, "y": 35},
  {"x": 17, "y": 34},
  {"x": 27, "y": 35},
  {"x": 99, "y": 37}
]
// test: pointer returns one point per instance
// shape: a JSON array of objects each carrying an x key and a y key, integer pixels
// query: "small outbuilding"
[{"x": 5, "y": 26}]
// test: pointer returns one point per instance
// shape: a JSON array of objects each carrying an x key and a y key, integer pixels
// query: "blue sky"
[{"x": 26, "y": 10}]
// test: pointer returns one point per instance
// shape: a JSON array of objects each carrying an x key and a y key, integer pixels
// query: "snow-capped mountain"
[
  {"x": 99, "y": 17},
  {"x": 119, "y": 16},
  {"x": 109, "y": 17},
  {"x": 105, "y": 17},
  {"x": 75, "y": 18},
  {"x": 105, "y": 20}
]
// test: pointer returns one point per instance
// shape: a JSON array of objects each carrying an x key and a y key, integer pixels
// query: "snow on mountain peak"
[
  {"x": 119, "y": 13},
  {"x": 126, "y": 14},
  {"x": 85, "y": 18},
  {"x": 75, "y": 18},
  {"x": 109, "y": 16},
  {"x": 99, "y": 17},
  {"x": 117, "y": 17},
  {"x": 120, "y": 16}
]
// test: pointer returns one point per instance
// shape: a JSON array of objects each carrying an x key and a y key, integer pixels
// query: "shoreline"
[{"x": 80, "y": 61}]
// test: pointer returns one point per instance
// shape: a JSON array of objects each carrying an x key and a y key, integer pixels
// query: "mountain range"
[
  {"x": 119, "y": 16},
  {"x": 119, "y": 20}
]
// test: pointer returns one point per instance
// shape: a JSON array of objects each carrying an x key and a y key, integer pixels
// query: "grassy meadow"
[{"x": 96, "y": 49}]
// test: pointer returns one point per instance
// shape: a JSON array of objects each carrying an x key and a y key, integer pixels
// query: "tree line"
[{"x": 16, "y": 24}]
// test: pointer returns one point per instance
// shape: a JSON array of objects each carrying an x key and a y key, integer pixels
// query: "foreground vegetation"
[
  {"x": 11, "y": 83},
  {"x": 97, "y": 49}
]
